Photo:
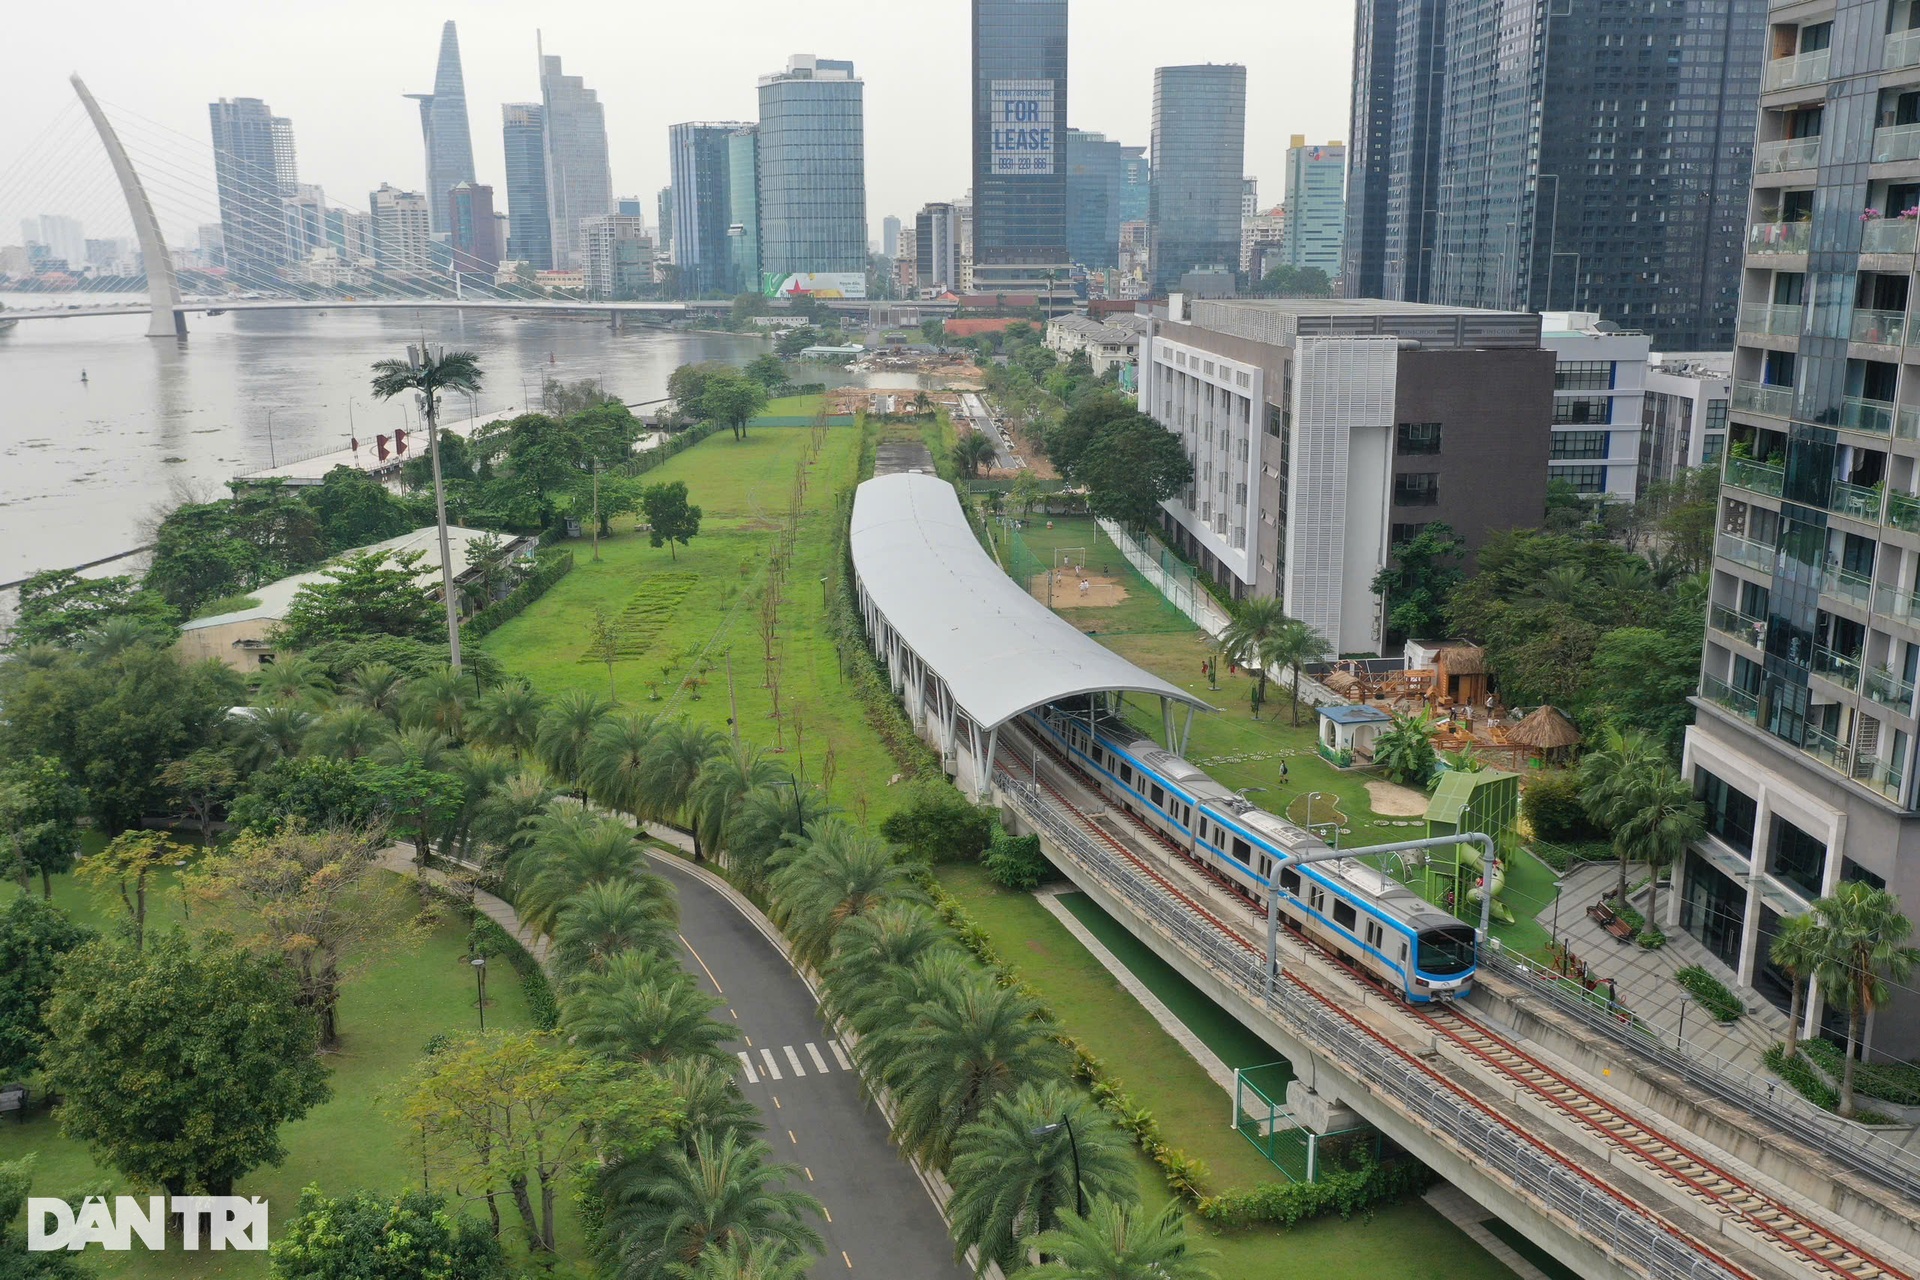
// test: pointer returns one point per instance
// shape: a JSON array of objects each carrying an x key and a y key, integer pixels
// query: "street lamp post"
[
  {"x": 1680, "y": 1037},
  {"x": 1558, "y": 885},
  {"x": 1073, "y": 1143},
  {"x": 479, "y": 964}
]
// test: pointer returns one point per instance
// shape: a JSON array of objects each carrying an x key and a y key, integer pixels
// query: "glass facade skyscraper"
[
  {"x": 253, "y": 167},
  {"x": 1019, "y": 161},
  {"x": 701, "y": 155},
  {"x": 1096, "y": 187},
  {"x": 529, "y": 231},
  {"x": 443, "y": 124},
  {"x": 579, "y": 180},
  {"x": 1199, "y": 157},
  {"x": 813, "y": 168},
  {"x": 743, "y": 208},
  {"x": 1588, "y": 160},
  {"x": 1316, "y": 205}
]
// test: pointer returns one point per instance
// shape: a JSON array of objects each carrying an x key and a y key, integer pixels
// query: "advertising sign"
[
  {"x": 1023, "y": 132},
  {"x": 816, "y": 284}
]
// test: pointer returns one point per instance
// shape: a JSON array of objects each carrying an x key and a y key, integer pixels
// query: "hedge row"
[
  {"x": 541, "y": 1004},
  {"x": 1712, "y": 993},
  {"x": 1895, "y": 1082},
  {"x": 1344, "y": 1191},
  {"x": 490, "y": 619},
  {"x": 678, "y": 442}
]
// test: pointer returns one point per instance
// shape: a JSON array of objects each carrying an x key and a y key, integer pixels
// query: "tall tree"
[
  {"x": 508, "y": 716},
  {"x": 380, "y": 687},
  {"x": 1292, "y": 646},
  {"x": 1119, "y": 1241},
  {"x": 1133, "y": 465},
  {"x": 972, "y": 452},
  {"x": 677, "y": 752},
  {"x": 1419, "y": 580},
  {"x": 613, "y": 765},
  {"x": 565, "y": 734},
  {"x": 645, "y": 1008},
  {"x": 1256, "y": 621},
  {"x": 369, "y": 593},
  {"x": 670, "y": 517},
  {"x": 602, "y": 921},
  {"x": 125, "y": 869},
  {"x": 569, "y": 849},
  {"x": 840, "y": 874},
  {"x": 1663, "y": 820},
  {"x": 731, "y": 400},
  {"x": 1863, "y": 949},
  {"x": 1796, "y": 950},
  {"x": 1613, "y": 781},
  {"x": 39, "y": 820},
  {"x": 34, "y": 936},
  {"x": 201, "y": 783},
  {"x": 361, "y": 1236},
  {"x": 179, "y": 1065},
  {"x": 60, "y": 607},
  {"x": 724, "y": 782}
]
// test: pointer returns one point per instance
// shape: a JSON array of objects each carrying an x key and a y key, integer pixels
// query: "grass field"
[
  {"x": 793, "y": 406},
  {"x": 387, "y": 1014},
  {"x": 685, "y": 615}
]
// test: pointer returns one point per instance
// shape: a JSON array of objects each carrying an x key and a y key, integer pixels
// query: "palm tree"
[
  {"x": 1256, "y": 620},
  {"x": 1664, "y": 819},
  {"x": 650, "y": 1021},
  {"x": 1861, "y": 940},
  {"x": 971, "y": 452},
  {"x": 1612, "y": 781},
  {"x": 422, "y": 746},
  {"x": 724, "y": 782},
  {"x": 566, "y": 729},
  {"x": 503, "y": 821},
  {"x": 1564, "y": 585},
  {"x": 1293, "y": 645},
  {"x": 273, "y": 733},
  {"x": 1117, "y": 1241},
  {"x": 718, "y": 1190},
  {"x": 871, "y": 947},
  {"x": 679, "y": 751},
  {"x": 481, "y": 771},
  {"x": 1014, "y": 1168},
  {"x": 377, "y": 686},
  {"x": 439, "y": 701},
  {"x": 1796, "y": 950},
  {"x": 635, "y": 913},
  {"x": 885, "y": 1014},
  {"x": 745, "y": 1260},
  {"x": 432, "y": 371},
  {"x": 709, "y": 1098},
  {"x": 768, "y": 821},
  {"x": 842, "y": 873},
  {"x": 508, "y": 716},
  {"x": 568, "y": 850},
  {"x": 348, "y": 732},
  {"x": 613, "y": 765},
  {"x": 294, "y": 682}
]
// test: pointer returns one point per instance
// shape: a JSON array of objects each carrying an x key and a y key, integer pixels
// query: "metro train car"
[{"x": 1362, "y": 914}]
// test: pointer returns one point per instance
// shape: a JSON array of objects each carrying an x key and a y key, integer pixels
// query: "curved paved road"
[{"x": 883, "y": 1223}]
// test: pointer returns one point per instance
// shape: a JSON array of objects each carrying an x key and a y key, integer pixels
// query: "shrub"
[
  {"x": 552, "y": 568},
  {"x": 1712, "y": 994},
  {"x": 1895, "y": 1082},
  {"x": 1551, "y": 803},
  {"x": 1651, "y": 939},
  {"x": 1805, "y": 1081},
  {"x": 541, "y": 1005},
  {"x": 1343, "y": 1191},
  {"x": 939, "y": 825},
  {"x": 1014, "y": 862}
]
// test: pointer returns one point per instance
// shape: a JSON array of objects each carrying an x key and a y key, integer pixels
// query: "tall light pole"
[
  {"x": 1079, "y": 1187},
  {"x": 479, "y": 964},
  {"x": 430, "y": 407}
]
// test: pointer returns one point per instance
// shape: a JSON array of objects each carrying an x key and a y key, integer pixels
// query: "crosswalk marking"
[
  {"x": 746, "y": 1065},
  {"x": 794, "y": 1059},
  {"x": 839, "y": 1055},
  {"x": 820, "y": 1063},
  {"x": 769, "y": 1067},
  {"x": 773, "y": 1068}
]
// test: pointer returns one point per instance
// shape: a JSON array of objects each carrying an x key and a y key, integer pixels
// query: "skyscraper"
[
  {"x": 1019, "y": 161},
  {"x": 470, "y": 229},
  {"x": 254, "y": 170},
  {"x": 1316, "y": 205},
  {"x": 619, "y": 256},
  {"x": 701, "y": 157},
  {"x": 665, "y": 220},
  {"x": 1199, "y": 153},
  {"x": 890, "y": 236},
  {"x": 743, "y": 208},
  {"x": 1096, "y": 181},
  {"x": 443, "y": 124},
  {"x": 529, "y": 230},
  {"x": 402, "y": 231},
  {"x": 1484, "y": 179},
  {"x": 813, "y": 168},
  {"x": 579, "y": 179},
  {"x": 936, "y": 237}
]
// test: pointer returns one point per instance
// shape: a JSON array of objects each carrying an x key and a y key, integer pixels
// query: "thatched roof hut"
[
  {"x": 1546, "y": 732},
  {"x": 1460, "y": 673},
  {"x": 1343, "y": 683}
]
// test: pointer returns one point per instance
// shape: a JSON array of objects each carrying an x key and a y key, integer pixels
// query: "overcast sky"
[{"x": 338, "y": 68}]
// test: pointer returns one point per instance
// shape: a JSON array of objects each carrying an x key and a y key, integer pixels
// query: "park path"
[{"x": 398, "y": 858}]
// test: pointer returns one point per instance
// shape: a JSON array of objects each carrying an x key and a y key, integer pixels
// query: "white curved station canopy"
[{"x": 1000, "y": 651}]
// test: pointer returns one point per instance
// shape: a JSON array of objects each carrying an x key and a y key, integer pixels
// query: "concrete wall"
[{"x": 224, "y": 643}]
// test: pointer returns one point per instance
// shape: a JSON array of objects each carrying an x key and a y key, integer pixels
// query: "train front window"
[{"x": 1446, "y": 951}]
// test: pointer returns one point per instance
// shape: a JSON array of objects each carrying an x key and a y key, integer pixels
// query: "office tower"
[
  {"x": 1804, "y": 743},
  {"x": 813, "y": 169},
  {"x": 1599, "y": 379},
  {"x": 1685, "y": 423},
  {"x": 701, "y": 157},
  {"x": 579, "y": 181},
  {"x": 1136, "y": 185},
  {"x": 64, "y": 238},
  {"x": 1316, "y": 205},
  {"x": 1096, "y": 177},
  {"x": 254, "y": 171},
  {"x": 1199, "y": 148},
  {"x": 890, "y": 238},
  {"x": 665, "y": 220},
  {"x": 1324, "y": 431},
  {"x": 529, "y": 230},
  {"x": 1263, "y": 243},
  {"x": 1019, "y": 169},
  {"x": 443, "y": 124},
  {"x": 743, "y": 209},
  {"x": 402, "y": 231},
  {"x": 619, "y": 256},
  {"x": 470, "y": 229},
  {"x": 304, "y": 220},
  {"x": 937, "y": 249},
  {"x": 1603, "y": 173}
]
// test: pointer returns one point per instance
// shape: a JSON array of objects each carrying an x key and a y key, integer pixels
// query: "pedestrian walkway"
[
  {"x": 769, "y": 1064},
  {"x": 399, "y": 858},
  {"x": 1457, "y": 1207}
]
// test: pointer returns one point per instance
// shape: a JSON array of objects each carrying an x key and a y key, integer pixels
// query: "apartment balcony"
[
  {"x": 1889, "y": 235},
  {"x": 1739, "y": 701},
  {"x": 1754, "y": 555},
  {"x": 1903, "y": 512},
  {"x": 1775, "y": 402},
  {"x": 1843, "y": 669},
  {"x": 1774, "y": 320},
  {"x": 1868, "y": 771},
  {"x": 1743, "y": 627},
  {"x": 1893, "y": 143},
  {"x": 1790, "y": 154},
  {"x": 1886, "y": 328},
  {"x": 1791, "y": 73},
  {"x": 1888, "y": 690},
  {"x": 1892, "y": 602},
  {"x": 1778, "y": 237},
  {"x": 1855, "y": 588},
  {"x": 1855, "y": 501},
  {"x": 1902, "y": 50},
  {"x": 1828, "y": 750},
  {"x": 1756, "y": 477},
  {"x": 1871, "y": 771},
  {"x": 1857, "y": 413},
  {"x": 1906, "y": 423}
]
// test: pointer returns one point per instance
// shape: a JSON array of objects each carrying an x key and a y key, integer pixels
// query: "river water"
[{"x": 84, "y": 465}]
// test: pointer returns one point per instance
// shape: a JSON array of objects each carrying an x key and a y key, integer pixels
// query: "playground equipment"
[{"x": 1485, "y": 801}]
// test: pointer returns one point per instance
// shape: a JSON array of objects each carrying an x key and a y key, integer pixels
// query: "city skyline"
[{"x": 360, "y": 132}]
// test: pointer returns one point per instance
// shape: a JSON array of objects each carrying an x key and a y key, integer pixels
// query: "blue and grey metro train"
[{"x": 1361, "y": 914}]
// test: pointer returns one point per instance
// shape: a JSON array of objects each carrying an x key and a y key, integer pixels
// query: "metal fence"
[
  {"x": 1172, "y": 577},
  {"x": 1531, "y": 1171}
]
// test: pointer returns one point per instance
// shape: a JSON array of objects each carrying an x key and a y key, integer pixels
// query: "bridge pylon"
[{"x": 166, "y": 320}]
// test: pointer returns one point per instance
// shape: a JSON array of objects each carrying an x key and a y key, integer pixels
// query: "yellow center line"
[
  {"x": 702, "y": 963},
  {"x": 776, "y": 1102},
  {"x": 829, "y": 1214},
  {"x": 808, "y": 1172},
  {"x": 844, "y": 1258},
  {"x": 790, "y": 1138}
]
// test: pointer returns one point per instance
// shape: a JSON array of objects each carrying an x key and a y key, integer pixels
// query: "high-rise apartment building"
[
  {"x": 1249, "y": 197},
  {"x": 619, "y": 256},
  {"x": 813, "y": 169},
  {"x": 937, "y": 249},
  {"x": 664, "y": 222},
  {"x": 702, "y": 158},
  {"x": 1096, "y": 186},
  {"x": 1019, "y": 161},
  {"x": 304, "y": 217},
  {"x": 1600, "y": 170},
  {"x": 579, "y": 180},
  {"x": 64, "y": 238},
  {"x": 1805, "y": 739},
  {"x": 890, "y": 237},
  {"x": 470, "y": 230},
  {"x": 1199, "y": 150},
  {"x": 529, "y": 229},
  {"x": 1316, "y": 205},
  {"x": 254, "y": 170},
  {"x": 402, "y": 231},
  {"x": 443, "y": 125}
]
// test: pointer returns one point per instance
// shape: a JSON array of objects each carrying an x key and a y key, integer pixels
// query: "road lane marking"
[
  {"x": 823, "y": 1209},
  {"x": 819, "y": 1062},
  {"x": 790, "y": 1138},
  {"x": 746, "y": 1065},
  {"x": 747, "y": 1038},
  {"x": 794, "y": 1058},
  {"x": 776, "y": 1101},
  {"x": 844, "y": 1258},
  {"x": 839, "y": 1055},
  {"x": 773, "y": 1068},
  {"x": 734, "y": 1014},
  {"x": 702, "y": 963},
  {"x": 808, "y": 1172}
]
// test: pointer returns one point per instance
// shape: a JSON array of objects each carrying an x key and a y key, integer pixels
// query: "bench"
[
  {"x": 1603, "y": 915},
  {"x": 13, "y": 1097}
]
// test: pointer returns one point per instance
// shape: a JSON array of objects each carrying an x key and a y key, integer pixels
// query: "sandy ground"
[
  {"x": 1101, "y": 593},
  {"x": 1391, "y": 800}
]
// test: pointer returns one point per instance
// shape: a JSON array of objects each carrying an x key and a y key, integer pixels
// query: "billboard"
[
  {"x": 1024, "y": 138},
  {"x": 817, "y": 284}
]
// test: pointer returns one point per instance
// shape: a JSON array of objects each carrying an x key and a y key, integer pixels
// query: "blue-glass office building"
[{"x": 1019, "y": 146}]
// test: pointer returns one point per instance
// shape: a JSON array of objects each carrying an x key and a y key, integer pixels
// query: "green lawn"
[
  {"x": 793, "y": 406},
  {"x": 683, "y": 615},
  {"x": 387, "y": 1014}
]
